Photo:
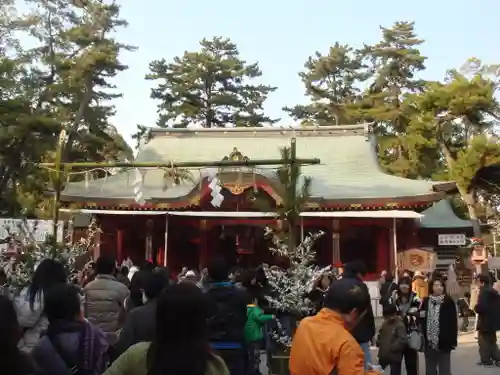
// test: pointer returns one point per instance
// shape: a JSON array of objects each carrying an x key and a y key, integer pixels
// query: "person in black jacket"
[
  {"x": 488, "y": 310},
  {"x": 140, "y": 324},
  {"x": 364, "y": 331},
  {"x": 407, "y": 304},
  {"x": 387, "y": 287},
  {"x": 227, "y": 316},
  {"x": 136, "y": 287},
  {"x": 12, "y": 360},
  {"x": 440, "y": 329}
]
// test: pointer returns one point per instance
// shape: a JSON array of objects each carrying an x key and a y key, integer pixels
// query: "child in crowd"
[
  {"x": 254, "y": 335},
  {"x": 464, "y": 311},
  {"x": 392, "y": 339}
]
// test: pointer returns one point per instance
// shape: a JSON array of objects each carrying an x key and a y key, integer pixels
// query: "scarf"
[
  {"x": 404, "y": 306},
  {"x": 433, "y": 310}
]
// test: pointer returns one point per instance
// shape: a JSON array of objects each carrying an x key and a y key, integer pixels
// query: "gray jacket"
[{"x": 104, "y": 299}]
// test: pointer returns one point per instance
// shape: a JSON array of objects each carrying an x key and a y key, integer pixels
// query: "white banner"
[
  {"x": 39, "y": 228},
  {"x": 451, "y": 239}
]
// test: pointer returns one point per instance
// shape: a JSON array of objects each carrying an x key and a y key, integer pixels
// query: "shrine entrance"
[
  {"x": 241, "y": 245},
  {"x": 138, "y": 237},
  {"x": 192, "y": 240},
  {"x": 366, "y": 240}
]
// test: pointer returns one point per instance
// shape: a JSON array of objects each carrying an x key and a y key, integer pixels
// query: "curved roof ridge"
[
  {"x": 298, "y": 131},
  {"x": 349, "y": 171}
]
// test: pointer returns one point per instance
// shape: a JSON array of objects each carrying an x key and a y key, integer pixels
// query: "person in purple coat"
[{"x": 71, "y": 343}]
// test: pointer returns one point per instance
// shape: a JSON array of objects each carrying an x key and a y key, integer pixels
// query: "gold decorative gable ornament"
[
  {"x": 236, "y": 187},
  {"x": 236, "y": 155}
]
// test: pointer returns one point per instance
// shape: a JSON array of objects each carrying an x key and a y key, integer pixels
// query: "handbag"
[{"x": 416, "y": 339}]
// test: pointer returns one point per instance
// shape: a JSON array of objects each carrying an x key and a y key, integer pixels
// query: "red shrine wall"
[{"x": 192, "y": 241}]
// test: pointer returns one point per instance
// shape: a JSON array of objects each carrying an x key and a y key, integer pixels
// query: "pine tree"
[
  {"x": 332, "y": 84},
  {"x": 26, "y": 135},
  {"x": 396, "y": 60},
  {"x": 61, "y": 83},
  {"x": 394, "y": 63},
  {"x": 294, "y": 198},
  {"x": 457, "y": 118},
  {"x": 209, "y": 88}
]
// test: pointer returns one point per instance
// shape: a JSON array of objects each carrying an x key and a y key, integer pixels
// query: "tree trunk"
[
  {"x": 467, "y": 197},
  {"x": 72, "y": 132},
  {"x": 470, "y": 201}
]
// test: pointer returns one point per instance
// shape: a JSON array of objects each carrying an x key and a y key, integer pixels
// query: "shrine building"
[{"x": 365, "y": 213}]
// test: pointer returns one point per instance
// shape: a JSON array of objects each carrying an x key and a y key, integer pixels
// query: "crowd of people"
[
  {"x": 151, "y": 323},
  {"x": 144, "y": 321},
  {"x": 430, "y": 304}
]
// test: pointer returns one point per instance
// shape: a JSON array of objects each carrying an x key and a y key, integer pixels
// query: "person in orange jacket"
[
  {"x": 323, "y": 344},
  {"x": 420, "y": 286}
]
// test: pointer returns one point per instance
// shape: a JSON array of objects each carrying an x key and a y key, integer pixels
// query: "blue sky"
[{"x": 280, "y": 35}]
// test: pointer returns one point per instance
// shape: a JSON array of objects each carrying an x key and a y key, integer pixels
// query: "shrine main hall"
[{"x": 366, "y": 214}]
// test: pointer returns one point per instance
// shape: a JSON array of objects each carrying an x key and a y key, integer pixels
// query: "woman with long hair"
[
  {"x": 440, "y": 328},
  {"x": 29, "y": 304},
  {"x": 71, "y": 343},
  {"x": 181, "y": 344},
  {"x": 407, "y": 304},
  {"x": 12, "y": 360}
]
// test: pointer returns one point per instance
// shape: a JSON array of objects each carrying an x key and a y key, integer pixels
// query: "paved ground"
[{"x": 463, "y": 359}]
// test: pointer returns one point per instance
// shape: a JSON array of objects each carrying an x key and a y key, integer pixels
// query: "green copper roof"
[
  {"x": 441, "y": 215},
  {"x": 349, "y": 170}
]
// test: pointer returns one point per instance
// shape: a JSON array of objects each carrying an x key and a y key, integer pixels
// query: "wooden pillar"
[
  {"x": 301, "y": 229},
  {"x": 148, "y": 254},
  {"x": 203, "y": 255},
  {"x": 335, "y": 241},
  {"x": 71, "y": 229},
  {"x": 394, "y": 250},
  {"x": 119, "y": 245},
  {"x": 165, "y": 255}
]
